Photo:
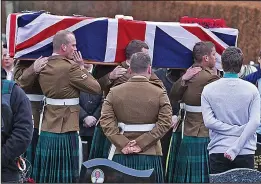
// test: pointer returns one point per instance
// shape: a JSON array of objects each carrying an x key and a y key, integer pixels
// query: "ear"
[
  {"x": 149, "y": 69},
  {"x": 64, "y": 47},
  {"x": 129, "y": 70}
]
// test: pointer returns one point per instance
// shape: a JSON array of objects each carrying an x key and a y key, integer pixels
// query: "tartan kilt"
[
  {"x": 142, "y": 162},
  {"x": 192, "y": 164},
  {"x": 57, "y": 158},
  {"x": 30, "y": 151},
  {"x": 100, "y": 144},
  {"x": 172, "y": 156}
]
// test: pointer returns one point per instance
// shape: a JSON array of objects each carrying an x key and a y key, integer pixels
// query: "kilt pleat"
[
  {"x": 142, "y": 162},
  {"x": 57, "y": 158},
  {"x": 192, "y": 165},
  {"x": 100, "y": 144},
  {"x": 30, "y": 151},
  {"x": 172, "y": 156}
]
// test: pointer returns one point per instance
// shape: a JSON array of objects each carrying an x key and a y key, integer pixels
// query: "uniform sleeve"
[
  {"x": 250, "y": 129},
  {"x": 177, "y": 91},
  {"x": 105, "y": 82},
  {"x": 25, "y": 77},
  {"x": 83, "y": 80},
  {"x": 146, "y": 140},
  {"x": 22, "y": 130},
  {"x": 109, "y": 124}
]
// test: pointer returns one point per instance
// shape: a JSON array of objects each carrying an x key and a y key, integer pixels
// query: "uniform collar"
[
  {"x": 230, "y": 75},
  {"x": 138, "y": 78}
]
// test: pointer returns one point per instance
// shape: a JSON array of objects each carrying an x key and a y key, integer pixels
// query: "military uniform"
[
  {"x": 57, "y": 151},
  {"x": 140, "y": 103},
  {"x": 100, "y": 144},
  {"x": 25, "y": 76},
  {"x": 193, "y": 147}
]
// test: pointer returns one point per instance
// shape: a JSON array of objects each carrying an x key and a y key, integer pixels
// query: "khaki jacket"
[
  {"x": 137, "y": 102},
  {"x": 27, "y": 79},
  {"x": 190, "y": 94},
  {"x": 106, "y": 83},
  {"x": 63, "y": 79}
]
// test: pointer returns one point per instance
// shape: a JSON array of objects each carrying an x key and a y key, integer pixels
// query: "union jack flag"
[{"x": 29, "y": 35}]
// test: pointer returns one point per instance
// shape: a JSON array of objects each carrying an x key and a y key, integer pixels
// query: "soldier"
[
  {"x": 143, "y": 112},
  {"x": 26, "y": 75},
  {"x": 193, "y": 154},
  {"x": 101, "y": 145},
  {"x": 57, "y": 152}
]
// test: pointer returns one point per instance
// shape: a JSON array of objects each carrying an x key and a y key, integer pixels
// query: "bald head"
[{"x": 64, "y": 43}]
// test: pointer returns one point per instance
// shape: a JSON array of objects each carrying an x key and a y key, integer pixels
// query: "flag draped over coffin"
[{"x": 29, "y": 35}]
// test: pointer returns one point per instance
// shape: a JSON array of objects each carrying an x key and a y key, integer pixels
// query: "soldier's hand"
[
  {"x": 117, "y": 72},
  {"x": 40, "y": 63},
  {"x": 175, "y": 122},
  {"x": 77, "y": 58},
  {"x": 89, "y": 121},
  {"x": 136, "y": 149},
  {"x": 190, "y": 73},
  {"x": 127, "y": 150}
]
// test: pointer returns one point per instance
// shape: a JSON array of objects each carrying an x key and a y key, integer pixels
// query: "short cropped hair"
[
  {"x": 133, "y": 47},
  {"x": 232, "y": 60},
  {"x": 140, "y": 62},
  {"x": 60, "y": 38},
  {"x": 201, "y": 49}
]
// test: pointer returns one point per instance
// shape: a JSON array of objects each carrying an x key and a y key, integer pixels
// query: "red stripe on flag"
[
  {"x": 127, "y": 31},
  {"x": 13, "y": 18},
  {"x": 203, "y": 36},
  {"x": 48, "y": 32}
]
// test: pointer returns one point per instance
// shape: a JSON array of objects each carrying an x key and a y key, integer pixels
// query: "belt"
[
  {"x": 35, "y": 98},
  {"x": 130, "y": 128},
  {"x": 187, "y": 108},
  {"x": 51, "y": 101},
  {"x": 70, "y": 101},
  {"x": 136, "y": 128},
  {"x": 190, "y": 108}
]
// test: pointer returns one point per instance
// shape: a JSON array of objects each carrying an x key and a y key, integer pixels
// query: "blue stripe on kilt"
[
  {"x": 100, "y": 144},
  {"x": 57, "y": 158},
  {"x": 192, "y": 164},
  {"x": 142, "y": 162}
]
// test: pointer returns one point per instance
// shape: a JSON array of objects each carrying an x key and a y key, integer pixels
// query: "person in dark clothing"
[
  {"x": 168, "y": 77},
  {"x": 16, "y": 128},
  {"x": 90, "y": 113}
]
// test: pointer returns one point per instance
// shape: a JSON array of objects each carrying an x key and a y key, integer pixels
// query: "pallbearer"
[
  {"x": 135, "y": 115},
  {"x": 57, "y": 152}
]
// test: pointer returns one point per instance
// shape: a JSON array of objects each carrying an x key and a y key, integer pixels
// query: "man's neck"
[
  {"x": 140, "y": 75},
  {"x": 9, "y": 68}
]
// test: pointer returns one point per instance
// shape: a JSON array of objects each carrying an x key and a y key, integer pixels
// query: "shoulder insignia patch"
[{"x": 84, "y": 76}]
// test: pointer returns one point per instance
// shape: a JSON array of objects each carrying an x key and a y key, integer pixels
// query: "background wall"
[{"x": 245, "y": 16}]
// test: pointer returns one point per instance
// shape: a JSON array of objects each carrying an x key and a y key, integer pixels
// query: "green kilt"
[
  {"x": 192, "y": 164},
  {"x": 30, "y": 151},
  {"x": 57, "y": 158},
  {"x": 100, "y": 144},
  {"x": 142, "y": 162},
  {"x": 172, "y": 156}
]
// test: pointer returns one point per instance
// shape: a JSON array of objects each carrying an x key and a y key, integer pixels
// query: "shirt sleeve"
[
  {"x": 83, "y": 80},
  {"x": 22, "y": 129},
  {"x": 250, "y": 129},
  {"x": 212, "y": 123}
]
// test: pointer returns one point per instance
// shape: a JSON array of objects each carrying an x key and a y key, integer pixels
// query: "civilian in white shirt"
[
  {"x": 7, "y": 63},
  {"x": 231, "y": 111}
]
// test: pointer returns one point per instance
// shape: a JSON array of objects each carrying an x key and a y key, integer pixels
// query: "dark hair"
[
  {"x": 5, "y": 46},
  {"x": 60, "y": 38},
  {"x": 133, "y": 47},
  {"x": 140, "y": 62},
  {"x": 201, "y": 49},
  {"x": 232, "y": 60}
]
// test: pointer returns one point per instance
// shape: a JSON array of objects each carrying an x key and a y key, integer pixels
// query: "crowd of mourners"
[{"x": 184, "y": 123}]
